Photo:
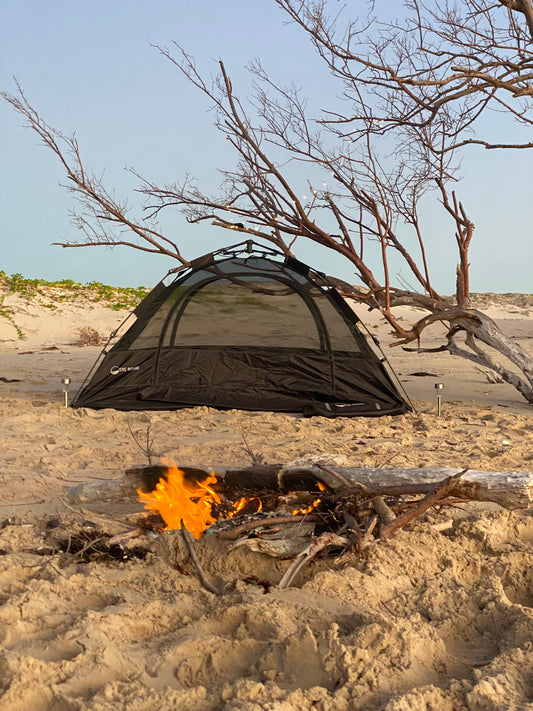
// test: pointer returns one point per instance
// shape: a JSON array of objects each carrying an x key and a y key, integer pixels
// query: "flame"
[
  {"x": 313, "y": 505},
  {"x": 178, "y": 500},
  {"x": 241, "y": 503}
]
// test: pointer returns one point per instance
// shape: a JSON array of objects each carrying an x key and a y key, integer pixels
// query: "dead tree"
[
  {"x": 100, "y": 217},
  {"x": 418, "y": 86},
  {"x": 369, "y": 197},
  {"x": 431, "y": 63}
]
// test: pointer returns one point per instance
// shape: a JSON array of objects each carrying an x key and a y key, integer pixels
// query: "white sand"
[{"x": 429, "y": 620}]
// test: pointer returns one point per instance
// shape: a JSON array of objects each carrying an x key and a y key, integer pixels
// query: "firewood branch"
[
  {"x": 323, "y": 541},
  {"x": 204, "y": 580},
  {"x": 440, "y": 491}
]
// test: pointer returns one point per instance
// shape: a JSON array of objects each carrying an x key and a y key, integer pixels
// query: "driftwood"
[
  {"x": 233, "y": 533},
  {"x": 439, "y": 492},
  {"x": 509, "y": 490},
  {"x": 207, "y": 584},
  {"x": 317, "y": 545},
  {"x": 356, "y": 507}
]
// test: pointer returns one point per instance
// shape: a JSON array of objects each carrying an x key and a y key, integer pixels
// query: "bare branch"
[
  {"x": 440, "y": 63},
  {"x": 204, "y": 580},
  {"x": 414, "y": 92},
  {"x": 100, "y": 211}
]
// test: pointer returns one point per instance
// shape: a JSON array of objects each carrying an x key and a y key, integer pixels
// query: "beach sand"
[{"x": 430, "y": 619}]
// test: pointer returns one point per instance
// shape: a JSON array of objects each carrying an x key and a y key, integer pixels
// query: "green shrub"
[
  {"x": 115, "y": 297},
  {"x": 51, "y": 293}
]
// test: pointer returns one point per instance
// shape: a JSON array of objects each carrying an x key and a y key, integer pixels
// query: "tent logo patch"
[{"x": 115, "y": 370}]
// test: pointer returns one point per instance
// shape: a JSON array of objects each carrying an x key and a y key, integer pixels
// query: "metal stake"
[
  {"x": 66, "y": 383},
  {"x": 439, "y": 387}
]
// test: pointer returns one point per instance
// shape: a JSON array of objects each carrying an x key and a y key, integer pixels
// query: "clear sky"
[{"x": 89, "y": 68}]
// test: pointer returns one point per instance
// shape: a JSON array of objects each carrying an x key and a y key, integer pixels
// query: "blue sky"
[{"x": 89, "y": 68}]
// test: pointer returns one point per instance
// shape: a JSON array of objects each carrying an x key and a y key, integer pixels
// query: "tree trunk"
[
  {"x": 489, "y": 333},
  {"x": 478, "y": 327},
  {"x": 510, "y": 490}
]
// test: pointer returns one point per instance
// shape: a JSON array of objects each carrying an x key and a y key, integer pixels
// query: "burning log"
[
  {"x": 510, "y": 490},
  {"x": 298, "y": 512},
  {"x": 183, "y": 503}
]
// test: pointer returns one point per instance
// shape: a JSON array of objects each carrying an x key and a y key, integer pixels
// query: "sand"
[{"x": 431, "y": 619}]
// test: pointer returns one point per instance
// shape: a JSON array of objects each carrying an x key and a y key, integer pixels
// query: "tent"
[{"x": 246, "y": 327}]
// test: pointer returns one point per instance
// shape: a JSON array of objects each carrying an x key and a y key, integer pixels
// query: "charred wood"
[{"x": 511, "y": 490}]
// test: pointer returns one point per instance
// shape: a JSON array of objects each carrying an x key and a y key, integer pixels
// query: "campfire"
[
  {"x": 187, "y": 503},
  {"x": 293, "y": 512},
  {"x": 297, "y": 516}
]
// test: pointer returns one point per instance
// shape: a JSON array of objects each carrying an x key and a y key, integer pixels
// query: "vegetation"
[
  {"x": 89, "y": 336},
  {"x": 5, "y": 313},
  {"x": 53, "y": 293}
]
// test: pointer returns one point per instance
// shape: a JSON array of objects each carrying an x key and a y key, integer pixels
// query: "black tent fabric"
[{"x": 245, "y": 328}]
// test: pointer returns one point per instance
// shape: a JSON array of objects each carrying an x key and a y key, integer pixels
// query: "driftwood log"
[
  {"x": 357, "y": 507},
  {"x": 509, "y": 490}
]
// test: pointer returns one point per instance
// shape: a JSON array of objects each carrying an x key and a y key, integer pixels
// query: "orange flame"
[
  {"x": 178, "y": 499},
  {"x": 316, "y": 502}
]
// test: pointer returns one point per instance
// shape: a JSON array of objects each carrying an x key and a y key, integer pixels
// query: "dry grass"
[{"x": 89, "y": 336}]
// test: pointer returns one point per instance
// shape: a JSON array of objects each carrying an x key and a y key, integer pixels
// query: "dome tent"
[{"x": 249, "y": 328}]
